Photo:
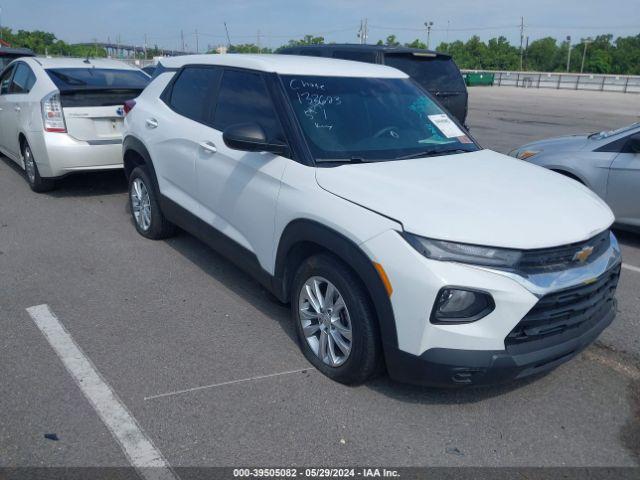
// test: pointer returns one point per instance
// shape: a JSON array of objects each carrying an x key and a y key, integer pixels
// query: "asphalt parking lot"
[{"x": 206, "y": 363}]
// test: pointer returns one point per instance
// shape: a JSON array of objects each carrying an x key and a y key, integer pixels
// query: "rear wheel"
[
  {"x": 35, "y": 181},
  {"x": 148, "y": 219},
  {"x": 334, "y": 320}
]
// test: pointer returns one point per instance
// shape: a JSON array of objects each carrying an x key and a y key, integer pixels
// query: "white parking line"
[
  {"x": 633, "y": 268},
  {"x": 135, "y": 444},
  {"x": 231, "y": 382}
]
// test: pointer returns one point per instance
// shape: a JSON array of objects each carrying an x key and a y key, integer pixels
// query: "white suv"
[
  {"x": 349, "y": 192},
  {"x": 63, "y": 115}
]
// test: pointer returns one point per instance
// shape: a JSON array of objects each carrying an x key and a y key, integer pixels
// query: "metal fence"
[{"x": 566, "y": 81}]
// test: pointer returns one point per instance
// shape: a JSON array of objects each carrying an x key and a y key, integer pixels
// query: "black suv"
[{"x": 436, "y": 72}]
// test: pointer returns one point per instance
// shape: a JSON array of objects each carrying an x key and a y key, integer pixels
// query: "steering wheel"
[{"x": 392, "y": 130}]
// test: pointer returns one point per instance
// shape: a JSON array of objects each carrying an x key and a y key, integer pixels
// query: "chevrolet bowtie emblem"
[{"x": 582, "y": 255}]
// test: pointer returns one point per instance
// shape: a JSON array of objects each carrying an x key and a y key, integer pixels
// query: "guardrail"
[{"x": 566, "y": 81}]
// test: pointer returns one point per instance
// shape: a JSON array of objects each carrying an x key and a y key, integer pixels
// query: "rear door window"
[
  {"x": 433, "y": 73},
  {"x": 23, "y": 79},
  {"x": 193, "y": 92},
  {"x": 97, "y": 78},
  {"x": 244, "y": 98}
]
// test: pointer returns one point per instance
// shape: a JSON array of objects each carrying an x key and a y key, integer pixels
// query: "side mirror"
[
  {"x": 250, "y": 137},
  {"x": 633, "y": 144}
]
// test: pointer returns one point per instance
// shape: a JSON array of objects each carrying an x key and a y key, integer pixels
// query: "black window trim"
[
  {"x": 13, "y": 74},
  {"x": 270, "y": 80},
  {"x": 166, "y": 94}
]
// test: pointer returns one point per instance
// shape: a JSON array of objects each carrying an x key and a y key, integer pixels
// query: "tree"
[
  {"x": 501, "y": 55},
  {"x": 416, "y": 44},
  {"x": 542, "y": 55},
  {"x": 247, "y": 48},
  {"x": 392, "y": 41},
  {"x": 306, "y": 40},
  {"x": 625, "y": 58}
]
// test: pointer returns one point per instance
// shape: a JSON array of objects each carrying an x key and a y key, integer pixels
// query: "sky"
[{"x": 274, "y": 22}]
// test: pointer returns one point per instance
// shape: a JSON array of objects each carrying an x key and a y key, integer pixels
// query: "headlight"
[
  {"x": 464, "y": 253},
  {"x": 524, "y": 154}
]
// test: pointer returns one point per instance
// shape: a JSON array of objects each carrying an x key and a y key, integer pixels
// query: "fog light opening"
[{"x": 461, "y": 305}]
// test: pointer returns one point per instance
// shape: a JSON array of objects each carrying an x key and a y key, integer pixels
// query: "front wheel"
[
  {"x": 335, "y": 323},
  {"x": 149, "y": 220},
  {"x": 35, "y": 181}
]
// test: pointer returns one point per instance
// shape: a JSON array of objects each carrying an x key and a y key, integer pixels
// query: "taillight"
[
  {"x": 52, "y": 115},
  {"x": 128, "y": 106}
]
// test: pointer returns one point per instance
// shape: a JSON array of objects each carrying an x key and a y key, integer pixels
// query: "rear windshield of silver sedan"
[
  {"x": 97, "y": 78},
  {"x": 372, "y": 119}
]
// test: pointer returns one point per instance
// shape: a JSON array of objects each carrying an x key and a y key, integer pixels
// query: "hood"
[
  {"x": 482, "y": 197},
  {"x": 566, "y": 143}
]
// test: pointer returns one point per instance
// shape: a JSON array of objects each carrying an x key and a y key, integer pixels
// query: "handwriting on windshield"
[{"x": 316, "y": 101}]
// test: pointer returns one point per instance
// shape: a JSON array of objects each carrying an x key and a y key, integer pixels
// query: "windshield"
[
  {"x": 611, "y": 133},
  {"x": 97, "y": 78},
  {"x": 371, "y": 119},
  {"x": 439, "y": 73}
]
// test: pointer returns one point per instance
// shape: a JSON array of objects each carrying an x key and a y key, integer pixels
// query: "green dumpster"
[{"x": 474, "y": 79}]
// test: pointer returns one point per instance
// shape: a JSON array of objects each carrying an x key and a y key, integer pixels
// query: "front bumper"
[
  {"x": 489, "y": 350},
  {"x": 445, "y": 367}
]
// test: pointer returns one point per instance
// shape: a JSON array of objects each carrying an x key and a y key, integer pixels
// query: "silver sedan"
[{"x": 606, "y": 162}]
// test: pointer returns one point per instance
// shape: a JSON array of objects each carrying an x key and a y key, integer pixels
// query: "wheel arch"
[
  {"x": 134, "y": 154},
  {"x": 568, "y": 174},
  {"x": 303, "y": 238}
]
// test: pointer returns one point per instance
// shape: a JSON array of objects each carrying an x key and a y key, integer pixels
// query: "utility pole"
[
  {"x": 586, "y": 42},
  {"x": 197, "y": 42},
  {"x": 568, "y": 52},
  {"x": 366, "y": 30},
  {"x": 363, "y": 31},
  {"x": 0, "y": 23},
  {"x": 145, "y": 46},
  {"x": 228, "y": 38},
  {"x": 521, "y": 41},
  {"x": 258, "y": 39},
  {"x": 428, "y": 25}
]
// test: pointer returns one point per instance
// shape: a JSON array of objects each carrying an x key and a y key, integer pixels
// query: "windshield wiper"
[
  {"x": 432, "y": 153},
  {"x": 341, "y": 160}
]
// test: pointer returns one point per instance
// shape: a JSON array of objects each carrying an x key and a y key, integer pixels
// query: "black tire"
[
  {"x": 365, "y": 359},
  {"x": 158, "y": 226},
  {"x": 32, "y": 174}
]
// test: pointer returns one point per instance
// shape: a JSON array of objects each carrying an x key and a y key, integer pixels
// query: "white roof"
[
  {"x": 288, "y": 65},
  {"x": 67, "y": 62}
]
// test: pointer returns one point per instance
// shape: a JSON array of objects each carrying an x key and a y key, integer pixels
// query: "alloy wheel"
[
  {"x": 29, "y": 165},
  {"x": 325, "y": 321},
  {"x": 141, "y": 204}
]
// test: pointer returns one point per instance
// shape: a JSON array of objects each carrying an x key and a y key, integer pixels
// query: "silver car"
[{"x": 606, "y": 162}]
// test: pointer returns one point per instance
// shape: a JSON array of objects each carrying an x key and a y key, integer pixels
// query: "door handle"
[
  {"x": 208, "y": 147},
  {"x": 151, "y": 123},
  {"x": 17, "y": 109}
]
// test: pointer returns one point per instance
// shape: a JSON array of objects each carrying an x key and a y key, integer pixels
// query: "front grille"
[
  {"x": 565, "y": 314},
  {"x": 560, "y": 258}
]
